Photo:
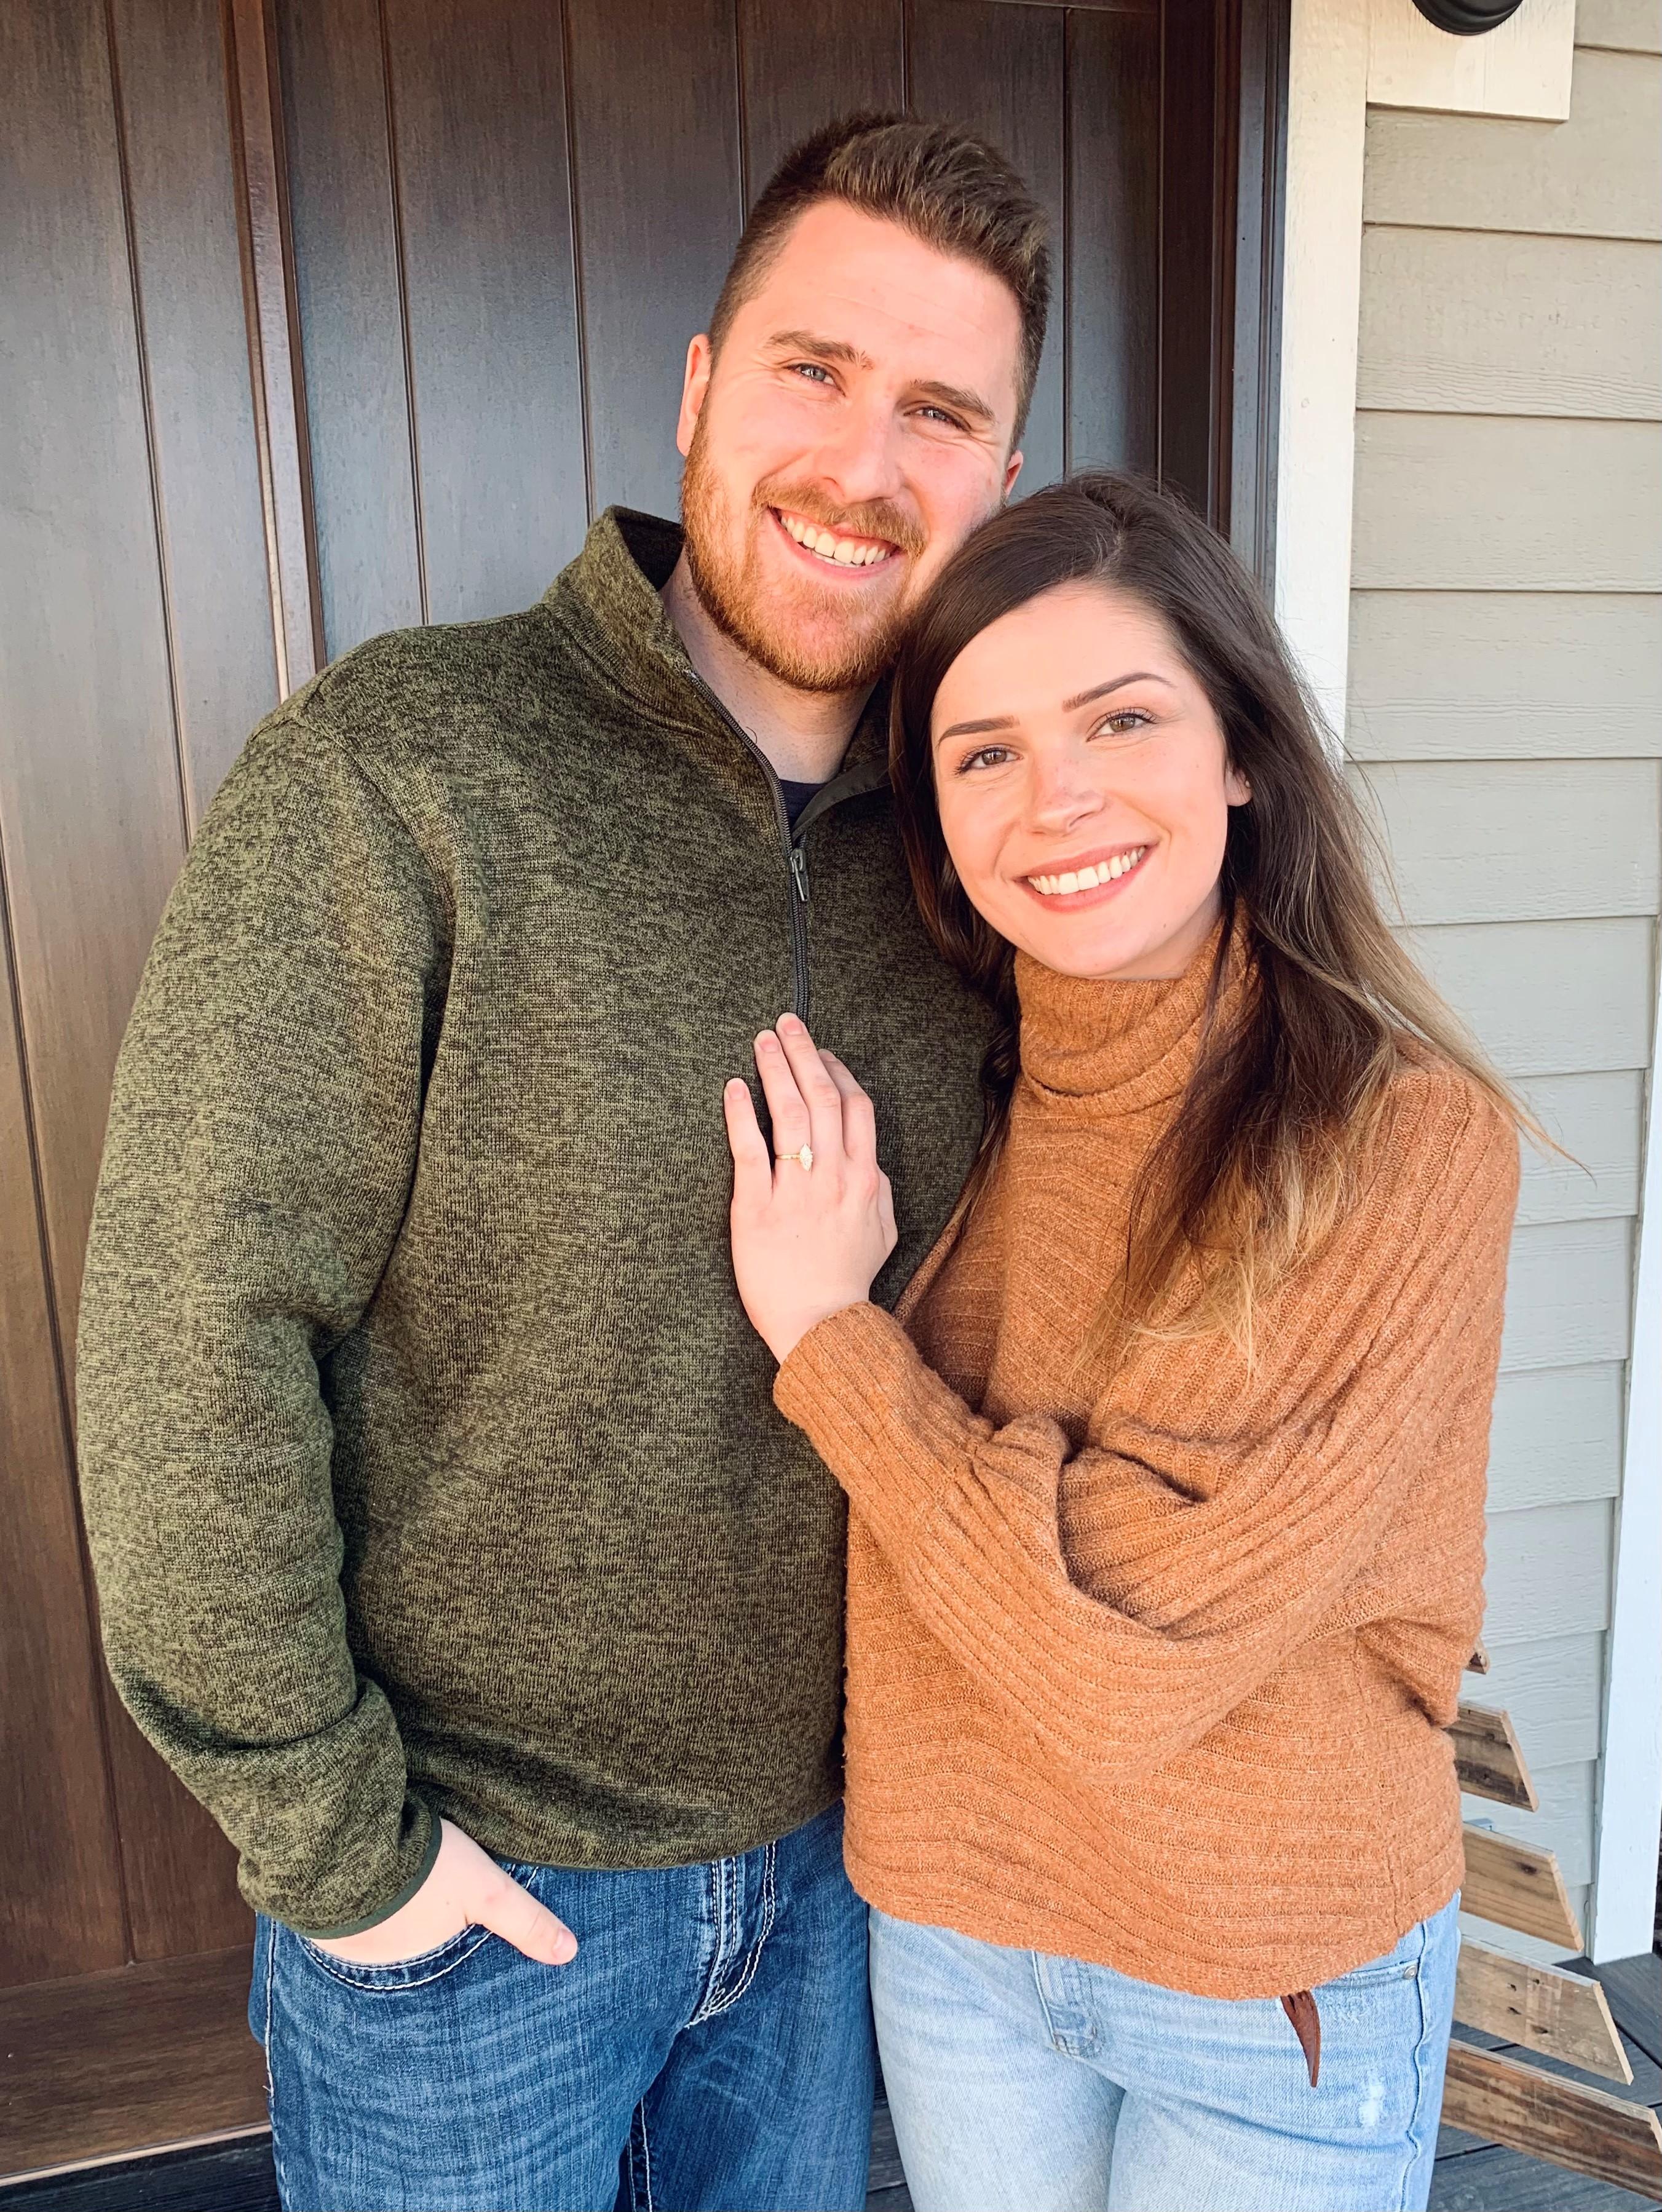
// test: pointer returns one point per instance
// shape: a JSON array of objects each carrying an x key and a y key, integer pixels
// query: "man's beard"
[{"x": 718, "y": 548}]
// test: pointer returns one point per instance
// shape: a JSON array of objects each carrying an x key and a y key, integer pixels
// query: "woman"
[{"x": 1167, "y": 1481}]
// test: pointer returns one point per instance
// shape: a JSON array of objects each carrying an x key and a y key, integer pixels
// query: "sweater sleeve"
[
  {"x": 261, "y": 1146},
  {"x": 1221, "y": 1559}
]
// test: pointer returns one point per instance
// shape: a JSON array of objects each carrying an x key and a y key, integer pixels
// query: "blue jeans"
[
  {"x": 1020, "y": 2083},
  {"x": 710, "y": 2046}
]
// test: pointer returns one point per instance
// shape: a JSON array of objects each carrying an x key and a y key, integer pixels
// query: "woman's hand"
[
  {"x": 807, "y": 1239},
  {"x": 466, "y": 1888}
]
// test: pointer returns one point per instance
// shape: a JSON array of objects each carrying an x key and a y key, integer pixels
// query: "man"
[{"x": 449, "y": 1545}]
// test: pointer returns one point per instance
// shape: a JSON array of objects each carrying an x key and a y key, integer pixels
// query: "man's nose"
[{"x": 859, "y": 461}]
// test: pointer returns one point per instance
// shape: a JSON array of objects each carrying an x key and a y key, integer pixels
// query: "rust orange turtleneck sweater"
[{"x": 1149, "y": 1663}]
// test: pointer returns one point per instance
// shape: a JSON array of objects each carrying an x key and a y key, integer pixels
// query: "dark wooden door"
[{"x": 324, "y": 316}]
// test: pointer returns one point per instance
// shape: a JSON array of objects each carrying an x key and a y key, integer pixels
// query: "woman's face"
[{"x": 1084, "y": 786}]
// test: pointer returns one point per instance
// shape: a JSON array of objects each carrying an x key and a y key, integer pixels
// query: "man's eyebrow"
[
  {"x": 822, "y": 348},
  {"x": 960, "y": 401},
  {"x": 1069, "y": 706},
  {"x": 957, "y": 398}
]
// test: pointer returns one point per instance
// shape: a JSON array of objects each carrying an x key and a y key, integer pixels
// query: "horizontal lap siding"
[{"x": 1505, "y": 732}]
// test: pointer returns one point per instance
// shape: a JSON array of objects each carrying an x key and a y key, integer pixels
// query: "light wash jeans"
[{"x": 1020, "y": 2083}]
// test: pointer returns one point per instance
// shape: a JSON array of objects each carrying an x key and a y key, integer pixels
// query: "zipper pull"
[{"x": 799, "y": 871}]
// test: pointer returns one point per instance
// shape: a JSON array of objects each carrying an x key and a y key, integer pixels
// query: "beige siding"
[
  {"x": 1505, "y": 723},
  {"x": 1510, "y": 326},
  {"x": 1505, "y": 675},
  {"x": 1594, "y": 176}
]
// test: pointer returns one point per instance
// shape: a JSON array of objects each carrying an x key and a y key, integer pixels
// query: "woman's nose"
[{"x": 1063, "y": 793}]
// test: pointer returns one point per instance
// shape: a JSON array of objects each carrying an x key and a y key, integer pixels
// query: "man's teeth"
[
  {"x": 847, "y": 552},
  {"x": 1087, "y": 880}
]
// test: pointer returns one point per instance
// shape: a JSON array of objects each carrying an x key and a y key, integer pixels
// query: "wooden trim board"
[
  {"x": 1489, "y": 1759},
  {"x": 121, "y": 2061},
  {"x": 1518, "y": 1886},
  {"x": 1564, "y": 2016},
  {"x": 1587, "y": 2130}
]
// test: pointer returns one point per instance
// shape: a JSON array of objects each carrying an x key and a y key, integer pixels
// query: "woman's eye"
[
  {"x": 1124, "y": 722},
  {"x": 987, "y": 757}
]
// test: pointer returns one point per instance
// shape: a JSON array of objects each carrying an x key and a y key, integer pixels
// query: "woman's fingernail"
[
  {"x": 766, "y": 1041},
  {"x": 788, "y": 1022}
]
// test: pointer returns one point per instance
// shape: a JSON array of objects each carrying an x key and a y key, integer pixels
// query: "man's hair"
[{"x": 953, "y": 192}]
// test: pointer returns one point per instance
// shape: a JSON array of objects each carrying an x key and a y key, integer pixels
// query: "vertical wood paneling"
[
  {"x": 351, "y": 314},
  {"x": 478, "y": 108},
  {"x": 1113, "y": 303},
  {"x": 89, "y": 786},
  {"x": 1001, "y": 70},
  {"x": 60, "y": 1905},
  {"x": 170, "y": 58},
  {"x": 802, "y": 67},
  {"x": 654, "y": 108},
  {"x": 1192, "y": 394}
]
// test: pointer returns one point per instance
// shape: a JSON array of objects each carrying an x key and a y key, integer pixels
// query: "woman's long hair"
[{"x": 1259, "y": 1161}]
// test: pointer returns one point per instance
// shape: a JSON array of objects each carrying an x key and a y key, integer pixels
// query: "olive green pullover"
[{"x": 430, "y": 1464}]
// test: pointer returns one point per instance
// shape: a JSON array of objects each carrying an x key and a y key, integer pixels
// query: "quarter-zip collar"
[{"x": 607, "y": 599}]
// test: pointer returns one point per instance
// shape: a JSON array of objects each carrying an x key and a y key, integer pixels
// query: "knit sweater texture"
[
  {"x": 429, "y": 1461},
  {"x": 1151, "y": 1657}
]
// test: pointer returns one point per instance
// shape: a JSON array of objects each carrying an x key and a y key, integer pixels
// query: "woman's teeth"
[
  {"x": 846, "y": 552},
  {"x": 1087, "y": 880}
]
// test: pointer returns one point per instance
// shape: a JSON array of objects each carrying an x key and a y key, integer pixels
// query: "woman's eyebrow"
[
  {"x": 1079, "y": 699},
  {"x": 1115, "y": 683}
]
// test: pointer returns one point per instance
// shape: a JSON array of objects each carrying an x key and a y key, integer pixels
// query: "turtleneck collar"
[{"x": 1123, "y": 1045}]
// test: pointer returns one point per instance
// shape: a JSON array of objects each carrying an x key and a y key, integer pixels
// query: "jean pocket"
[
  {"x": 393, "y": 1975},
  {"x": 1399, "y": 1964}
]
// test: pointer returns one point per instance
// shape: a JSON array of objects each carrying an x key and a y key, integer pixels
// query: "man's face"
[{"x": 855, "y": 428}]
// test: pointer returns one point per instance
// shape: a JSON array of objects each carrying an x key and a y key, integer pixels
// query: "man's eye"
[
  {"x": 940, "y": 414},
  {"x": 813, "y": 370}
]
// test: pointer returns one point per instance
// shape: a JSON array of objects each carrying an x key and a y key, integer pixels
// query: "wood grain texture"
[
  {"x": 1599, "y": 1121},
  {"x": 1464, "y": 321},
  {"x": 182, "y": 186},
  {"x": 1493, "y": 2179},
  {"x": 90, "y": 805},
  {"x": 1553, "y": 1687},
  {"x": 1488, "y": 1760},
  {"x": 1548, "y": 998},
  {"x": 1113, "y": 303},
  {"x": 1633, "y": 26},
  {"x": 1499, "y": 841},
  {"x": 1508, "y": 675},
  {"x": 349, "y": 285},
  {"x": 1569, "y": 1288},
  {"x": 1478, "y": 1662},
  {"x": 61, "y": 1909},
  {"x": 1000, "y": 70},
  {"x": 803, "y": 66},
  {"x": 654, "y": 111},
  {"x": 119, "y": 2061},
  {"x": 1563, "y": 1825},
  {"x": 1566, "y": 2016},
  {"x": 1586, "y": 2130},
  {"x": 1517, "y": 1886},
  {"x": 1595, "y": 175},
  {"x": 274, "y": 336},
  {"x": 486, "y": 234},
  {"x": 1556, "y": 1436},
  {"x": 1473, "y": 502},
  {"x": 1194, "y": 411}
]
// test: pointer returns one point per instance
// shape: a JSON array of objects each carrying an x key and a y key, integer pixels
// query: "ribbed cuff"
[
  {"x": 884, "y": 1422},
  {"x": 417, "y": 1813}
]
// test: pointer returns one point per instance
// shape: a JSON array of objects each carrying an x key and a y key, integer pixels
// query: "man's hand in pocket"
[{"x": 466, "y": 1887}]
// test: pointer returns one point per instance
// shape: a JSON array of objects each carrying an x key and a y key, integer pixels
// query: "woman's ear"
[{"x": 1236, "y": 789}]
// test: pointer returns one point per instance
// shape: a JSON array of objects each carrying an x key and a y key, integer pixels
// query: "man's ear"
[
  {"x": 1012, "y": 470},
  {"x": 694, "y": 384}
]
